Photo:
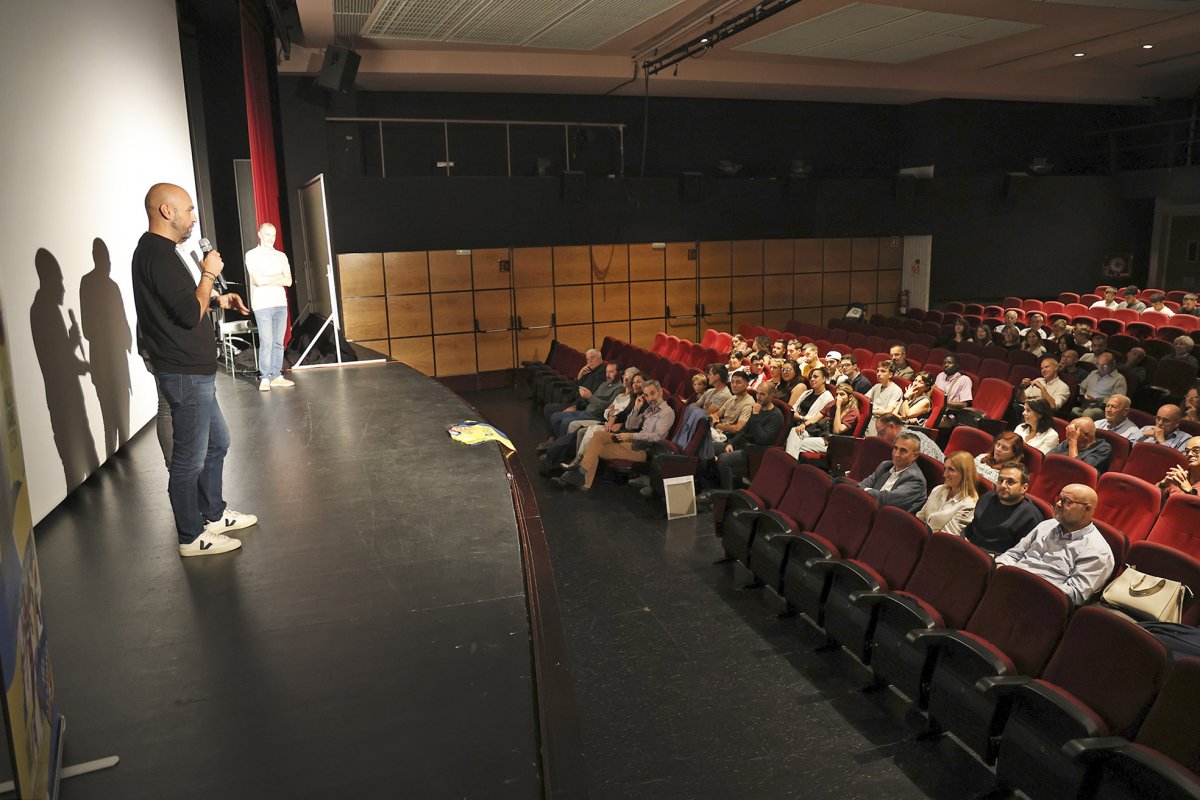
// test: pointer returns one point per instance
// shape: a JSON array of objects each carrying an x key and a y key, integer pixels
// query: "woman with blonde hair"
[{"x": 951, "y": 506}]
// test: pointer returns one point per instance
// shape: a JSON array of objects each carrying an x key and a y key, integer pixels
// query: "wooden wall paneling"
[
  {"x": 577, "y": 336},
  {"x": 832, "y": 313},
  {"x": 534, "y": 345},
  {"x": 617, "y": 330},
  {"x": 715, "y": 302},
  {"x": 812, "y": 316},
  {"x": 365, "y": 318},
  {"x": 493, "y": 309},
  {"x": 646, "y": 263},
  {"x": 889, "y": 288},
  {"x": 891, "y": 252},
  {"x": 409, "y": 315},
  {"x": 810, "y": 255},
  {"x": 835, "y": 289},
  {"x": 747, "y": 293},
  {"x": 494, "y": 350},
  {"x": 360, "y": 274},
  {"x": 533, "y": 266},
  {"x": 864, "y": 253},
  {"x": 454, "y": 354},
  {"x": 406, "y": 273},
  {"x": 863, "y": 286},
  {"x": 715, "y": 259},
  {"x": 680, "y": 260},
  {"x": 573, "y": 304},
  {"x": 643, "y": 331},
  {"x": 572, "y": 265},
  {"x": 837, "y": 255},
  {"x": 610, "y": 263},
  {"x": 777, "y": 319},
  {"x": 777, "y": 291},
  {"x": 448, "y": 271},
  {"x": 806, "y": 290},
  {"x": 682, "y": 299},
  {"x": 647, "y": 300},
  {"x": 780, "y": 255},
  {"x": 747, "y": 257},
  {"x": 610, "y": 301},
  {"x": 487, "y": 268},
  {"x": 744, "y": 318},
  {"x": 453, "y": 312},
  {"x": 534, "y": 306},
  {"x": 417, "y": 352}
]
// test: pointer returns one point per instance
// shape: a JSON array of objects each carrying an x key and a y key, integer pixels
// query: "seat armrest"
[{"x": 1093, "y": 748}]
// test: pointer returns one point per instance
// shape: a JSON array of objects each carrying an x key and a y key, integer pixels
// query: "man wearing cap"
[{"x": 833, "y": 360}]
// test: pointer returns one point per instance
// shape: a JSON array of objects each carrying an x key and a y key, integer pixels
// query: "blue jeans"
[
  {"x": 199, "y": 443},
  {"x": 272, "y": 322}
]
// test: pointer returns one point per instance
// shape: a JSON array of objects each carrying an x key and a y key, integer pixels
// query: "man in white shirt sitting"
[
  {"x": 1158, "y": 303},
  {"x": 268, "y": 273},
  {"x": 1068, "y": 551},
  {"x": 1110, "y": 299}
]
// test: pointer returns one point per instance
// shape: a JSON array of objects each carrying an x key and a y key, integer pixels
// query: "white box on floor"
[{"x": 681, "y": 497}]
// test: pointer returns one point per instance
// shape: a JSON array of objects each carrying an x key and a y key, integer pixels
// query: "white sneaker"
[
  {"x": 231, "y": 521},
  {"x": 264, "y": 385},
  {"x": 282, "y": 381},
  {"x": 209, "y": 544}
]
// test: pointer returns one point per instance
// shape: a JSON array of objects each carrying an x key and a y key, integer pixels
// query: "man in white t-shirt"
[{"x": 267, "y": 272}]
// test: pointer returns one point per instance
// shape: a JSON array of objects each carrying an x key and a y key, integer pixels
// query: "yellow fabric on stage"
[{"x": 472, "y": 433}]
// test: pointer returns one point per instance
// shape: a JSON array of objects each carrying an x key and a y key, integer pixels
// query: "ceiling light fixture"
[
  {"x": 1147, "y": 47},
  {"x": 1080, "y": 55},
  {"x": 693, "y": 48}
]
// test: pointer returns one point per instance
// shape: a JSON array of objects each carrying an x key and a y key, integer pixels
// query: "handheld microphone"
[{"x": 206, "y": 247}]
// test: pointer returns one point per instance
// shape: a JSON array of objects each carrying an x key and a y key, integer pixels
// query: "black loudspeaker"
[
  {"x": 1014, "y": 185},
  {"x": 691, "y": 186},
  {"x": 574, "y": 187},
  {"x": 339, "y": 69},
  {"x": 906, "y": 188}
]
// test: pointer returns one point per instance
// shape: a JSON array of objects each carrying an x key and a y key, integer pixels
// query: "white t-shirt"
[{"x": 261, "y": 263}]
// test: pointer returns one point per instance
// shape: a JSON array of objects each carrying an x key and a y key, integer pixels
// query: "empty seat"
[
  {"x": 1058, "y": 471},
  {"x": 942, "y": 592},
  {"x": 885, "y": 562},
  {"x": 798, "y": 509},
  {"x": 1121, "y": 448},
  {"x": 1178, "y": 524},
  {"x": 1150, "y": 460},
  {"x": 1128, "y": 503},
  {"x": 996, "y": 369},
  {"x": 868, "y": 454},
  {"x": 971, "y": 440},
  {"x": 1086, "y": 690},
  {"x": 1013, "y": 632},
  {"x": 765, "y": 491},
  {"x": 1155, "y": 318}
]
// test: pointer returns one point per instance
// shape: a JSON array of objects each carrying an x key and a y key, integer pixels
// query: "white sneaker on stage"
[
  {"x": 209, "y": 544},
  {"x": 264, "y": 385},
  {"x": 282, "y": 381},
  {"x": 231, "y": 521}
]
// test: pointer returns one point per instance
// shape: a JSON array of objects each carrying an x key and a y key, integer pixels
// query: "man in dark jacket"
[
  {"x": 761, "y": 429},
  {"x": 1005, "y": 516},
  {"x": 899, "y": 482}
]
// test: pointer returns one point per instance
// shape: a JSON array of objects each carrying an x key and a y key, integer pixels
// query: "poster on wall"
[
  {"x": 1117, "y": 265},
  {"x": 34, "y": 727}
]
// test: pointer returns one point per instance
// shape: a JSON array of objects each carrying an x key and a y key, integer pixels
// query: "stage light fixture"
[{"x": 700, "y": 44}]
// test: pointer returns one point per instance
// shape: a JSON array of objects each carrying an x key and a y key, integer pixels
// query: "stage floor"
[{"x": 369, "y": 639}]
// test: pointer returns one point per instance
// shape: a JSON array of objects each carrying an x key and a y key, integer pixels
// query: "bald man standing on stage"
[{"x": 173, "y": 296}]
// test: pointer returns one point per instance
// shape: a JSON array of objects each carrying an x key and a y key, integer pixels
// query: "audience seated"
[
  {"x": 579, "y": 432},
  {"x": 1183, "y": 480},
  {"x": 1182, "y": 347},
  {"x": 1068, "y": 365},
  {"x": 1033, "y": 342},
  {"x": 1011, "y": 318},
  {"x": 810, "y": 405},
  {"x": 885, "y": 397},
  {"x": 1007, "y": 447},
  {"x": 734, "y": 412},
  {"x": 1037, "y": 429},
  {"x": 594, "y": 401},
  {"x": 1157, "y": 303},
  {"x": 918, "y": 400},
  {"x": 1067, "y": 551},
  {"x": 1135, "y": 363},
  {"x": 1109, "y": 300},
  {"x": 849, "y": 372},
  {"x": 1165, "y": 429},
  {"x": 1116, "y": 418},
  {"x": 839, "y": 418},
  {"x": 1130, "y": 293},
  {"x": 1004, "y": 516},
  {"x": 899, "y": 482},
  {"x": 1081, "y": 443},
  {"x": 1049, "y": 387},
  {"x": 954, "y": 383},
  {"x": 1098, "y": 386},
  {"x": 718, "y": 392},
  {"x": 762, "y": 428},
  {"x": 889, "y": 426},
  {"x": 590, "y": 376},
  {"x": 1037, "y": 322},
  {"x": 1099, "y": 345},
  {"x": 1191, "y": 405},
  {"x": 1189, "y": 305},
  {"x": 790, "y": 383},
  {"x": 650, "y": 421},
  {"x": 811, "y": 359},
  {"x": 900, "y": 365},
  {"x": 951, "y": 506}
]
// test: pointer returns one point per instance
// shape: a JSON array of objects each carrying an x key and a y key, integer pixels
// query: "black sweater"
[
  {"x": 997, "y": 527},
  {"x": 175, "y": 336}
]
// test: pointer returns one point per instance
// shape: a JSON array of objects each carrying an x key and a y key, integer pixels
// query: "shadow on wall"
[
  {"x": 106, "y": 329},
  {"x": 60, "y": 354}
]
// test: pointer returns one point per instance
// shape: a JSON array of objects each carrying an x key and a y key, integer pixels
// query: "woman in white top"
[
  {"x": 1007, "y": 446},
  {"x": 952, "y": 505},
  {"x": 1038, "y": 428},
  {"x": 1032, "y": 343},
  {"x": 885, "y": 396},
  {"x": 809, "y": 408}
]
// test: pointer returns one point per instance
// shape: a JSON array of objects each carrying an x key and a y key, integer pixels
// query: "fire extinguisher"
[{"x": 903, "y": 302}]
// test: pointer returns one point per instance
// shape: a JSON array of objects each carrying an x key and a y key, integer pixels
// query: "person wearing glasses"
[
  {"x": 1179, "y": 479},
  {"x": 1165, "y": 429},
  {"x": 1067, "y": 551}
]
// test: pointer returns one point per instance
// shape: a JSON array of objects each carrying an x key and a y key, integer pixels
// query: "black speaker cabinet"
[
  {"x": 339, "y": 69},
  {"x": 691, "y": 186},
  {"x": 574, "y": 187}
]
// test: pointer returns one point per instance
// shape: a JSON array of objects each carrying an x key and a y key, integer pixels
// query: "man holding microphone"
[{"x": 173, "y": 297}]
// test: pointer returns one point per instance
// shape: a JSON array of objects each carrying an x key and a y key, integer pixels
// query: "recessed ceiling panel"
[
  {"x": 594, "y": 23},
  {"x": 888, "y": 34},
  {"x": 1135, "y": 5},
  {"x": 427, "y": 20},
  {"x": 350, "y": 15}
]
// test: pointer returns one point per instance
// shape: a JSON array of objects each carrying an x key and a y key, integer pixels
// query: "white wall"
[{"x": 94, "y": 114}]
